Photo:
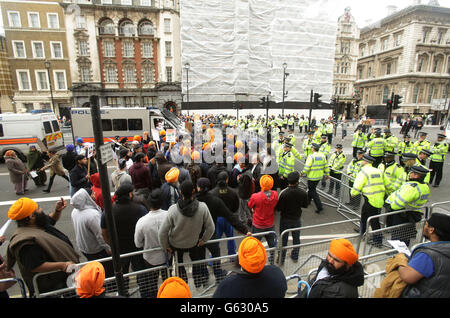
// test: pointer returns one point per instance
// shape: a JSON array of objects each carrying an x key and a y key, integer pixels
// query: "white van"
[
  {"x": 19, "y": 131},
  {"x": 123, "y": 121}
]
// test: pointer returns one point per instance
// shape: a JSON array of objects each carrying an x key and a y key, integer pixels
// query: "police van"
[
  {"x": 19, "y": 131},
  {"x": 123, "y": 122}
]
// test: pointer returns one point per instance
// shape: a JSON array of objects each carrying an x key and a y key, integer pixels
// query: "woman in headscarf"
[{"x": 35, "y": 161}]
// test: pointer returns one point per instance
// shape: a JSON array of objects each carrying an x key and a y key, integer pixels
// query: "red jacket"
[
  {"x": 97, "y": 189},
  {"x": 263, "y": 209}
]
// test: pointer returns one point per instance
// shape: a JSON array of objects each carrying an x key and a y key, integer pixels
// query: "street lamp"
[
  {"x": 47, "y": 66},
  {"x": 284, "y": 84},
  {"x": 187, "y": 66}
]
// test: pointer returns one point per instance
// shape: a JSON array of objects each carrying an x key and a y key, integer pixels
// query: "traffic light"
[
  {"x": 389, "y": 104},
  {"x": 397, "y": 101},
  {"x": 317, "y": 100},
  {"x": 262, "y": 102}
]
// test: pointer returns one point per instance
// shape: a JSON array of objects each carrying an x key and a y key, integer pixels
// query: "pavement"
[{"x": 60, "y": 189}]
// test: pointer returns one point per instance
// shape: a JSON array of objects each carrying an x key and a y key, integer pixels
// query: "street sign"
[{"x": 106, "y": 153}]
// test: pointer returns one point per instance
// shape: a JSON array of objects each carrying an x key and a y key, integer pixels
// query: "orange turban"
[
  {"x": 195, "y": 155},
  {"x": 9, "y": 153},
  {"x": 90, "y": 279},
  {"x": 162, "y": 132},
  {"x": 238, "y": 156},
  {"x": 252, "y": 255},
  {"x": 239, "y": 144},
  {"x": 172, "y": 175},
  {"x": 266, "y": 182},
  {"x": 137, "y": 138},
  {"x": 344, "y": 250},
  {"x": 22, "y": 208},
  {"x": 174, "y": 287},
  {"x": 206, "y": 145}
]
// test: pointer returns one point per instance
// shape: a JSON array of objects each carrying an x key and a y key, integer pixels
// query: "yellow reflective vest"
[{"x": 369, "y": 182}]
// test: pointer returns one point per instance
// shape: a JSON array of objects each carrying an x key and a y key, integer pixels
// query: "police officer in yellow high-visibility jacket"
[
  {"x": 391, "y": 141},
  {"x": 307, "y": 144},
  {"x": 392, "y": 173},
  {"x": 369, "y": 182},
  {"x": 422, "y": 143},
  {"x": 359, "y": 140},
  {"x": 336, "y": 164},
  {"x": 376, "y": 147},
  {"x": 316, "y": 167},
  {"x": 286, "y": 164},
  {"x": 411, "y": 197},
  {"x": 439, "y": 150},
  {"x": 353, "y": 168},
  {"x": 405, "y": 146},
  {"x": 421, "y": 161}
]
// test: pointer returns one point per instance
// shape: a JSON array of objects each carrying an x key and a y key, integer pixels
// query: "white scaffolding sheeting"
[{"x": 236, "y": 49}]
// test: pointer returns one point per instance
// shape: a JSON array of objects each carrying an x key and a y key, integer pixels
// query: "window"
[
  {"x": 83, "y": 48},
  {"x": 385, "y": 94},
  {"x": 135, "y": 124},
  {"x": 388, "y": 68},
  {"x": 19, "y": 49},
  {"x": 85, "y": 74},
  {"x": 362, "y": 51},
  {"x": 56, "y": 49},
  {"x": 147, "y": 74},
  {"x": 38, "y": 49},
  {"x": 129, "y": 74},
  {"x": 113, "y": 101},
  {"x": 426, "y": 33},
  {"x": 344, "y": 67},
  {"x": 107, "y": 27},
  {"x": 345, "y": 47},
  {"x": 149, "y": 100},
  {"x": 106, "y": 125},
  {"x": 126, "y": 28},
  {"x": 47, "y": 127},
  {"x": 110, "y": 75},
  {"x": 42, "y": 80},
  {"x": 60, "y": 80},
  {"x": 55, "y": 126},
  {"x": 169, "y": 74},
  {"x": 109, "y": 49},
  {"x": 416, "y": 94},
  {"x": 146, "y": 28},
  {"x": 33, "y": 20},
  {"x": 146, "y": 3},
  {"x": 168, "y": 46},
  {"x": 147, "y": 49},
  {"x": 128, "y": 49},
  {"x": 441, "y": 35},
  {"x": 80, "y": 22},
  {"x": 430, "y": 93},
  {"x": 120, "y": 124},
  {"x": 14, "y": 19},
  {"x": 131, "y": 101},
  {"x": 372, "y": 49},
  {"x": 23, "y": 79},
  {"x": 360, "y": 73},
  {"x": 398, "y": 39},
  {"x": 384, "y": 44},
  {"x": 126, "y": 2},
  {"x": 369, "y": 72},
  {"x": 166, "y": 25},
  {"x": 106, "y": 1},
  {"x": 1, "y": 131},
  {"x": 53, "y": 20},
  {"x": 436, "y": 64},
  {"x": 420, "y": 64}
]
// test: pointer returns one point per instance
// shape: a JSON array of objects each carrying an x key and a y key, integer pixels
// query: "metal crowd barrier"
[
  {"x": 442, "y": 207},
  {"x": 19, "y": 281}
]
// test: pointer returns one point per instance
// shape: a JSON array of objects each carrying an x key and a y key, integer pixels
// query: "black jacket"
[
  {"x": 69, "y": 160},
  {"x": 214, "y": 171},
  {"x": 229, "y": 196},
  {"x": 218, "y": 208},
  {"x": 291, "y": 201},
  {"x": 339, "y": 286},
  {"x": 78, "y": 178}
]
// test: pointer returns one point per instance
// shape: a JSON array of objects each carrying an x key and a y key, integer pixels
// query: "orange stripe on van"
[{"x": 13, "y": 141}]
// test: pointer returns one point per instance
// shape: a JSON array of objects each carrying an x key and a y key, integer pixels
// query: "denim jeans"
[
  {"x": 270, "y": 238},
  {"x": 286, "y": 224},
  {"x": 223, "y": 226}
]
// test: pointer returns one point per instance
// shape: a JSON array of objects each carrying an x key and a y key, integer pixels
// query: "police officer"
[
  {"x": 307, "y": 144},
  {"x": 325, "y": 148},
  {"x": 411, "y": 196},
  {"x": 369, "y": 182},
  {"x": 353, "y": 169},
  {"x": 286, "y": 164},
  {"x": 391, "y": 141},
  {"x": 393, "y": 173},
  {"x": 405, "y": 146},
  {"x": 316, "y": 167},
  {"x": 376, "y": 147},
  {"x": 422, "y": 143},
  {"x": 359, "y": 139},
  {"x": 439, "y": 150},
  {"x": 422, "y": 161},
  {"x": 336, "y": 164}
]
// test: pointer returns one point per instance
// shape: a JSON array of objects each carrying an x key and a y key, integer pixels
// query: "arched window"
[
  {"x": 146, "y": 28},
  {"x": 107, "y": 27},
  {"x": 126, "y": 28},
  {"x": 385, "y": 94}
]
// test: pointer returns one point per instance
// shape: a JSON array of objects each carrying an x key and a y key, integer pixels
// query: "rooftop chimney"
[{"x": 391, "y": 9}]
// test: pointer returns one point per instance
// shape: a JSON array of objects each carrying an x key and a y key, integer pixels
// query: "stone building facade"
[
  {"x": 6, "y": 85},
  {"x": 408, "y": 54},
  {"x": 125, "y": 51}
]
